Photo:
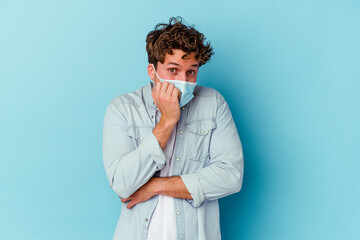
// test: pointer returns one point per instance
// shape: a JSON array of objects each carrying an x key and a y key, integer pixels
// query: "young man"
[{"x": 171, "y": 148}]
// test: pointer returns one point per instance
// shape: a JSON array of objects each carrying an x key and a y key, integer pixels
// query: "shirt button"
[
  {"x": 202, "y": 131},
  {"x": 177, "y": 159},
  {"x": 146, "y": 219},
  {"x": 181, "y": 132},
  {"x": 178, "y": 213},
  {"x": 152, "y": 116},
  {"x": 183, "y": 108},
  {"x": 141, "y": 138}
]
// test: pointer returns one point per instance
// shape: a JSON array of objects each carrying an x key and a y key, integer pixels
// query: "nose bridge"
[{"x": 182, "y": 76}]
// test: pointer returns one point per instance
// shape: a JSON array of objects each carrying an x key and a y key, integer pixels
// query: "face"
[{"x": 176, "y": 68}]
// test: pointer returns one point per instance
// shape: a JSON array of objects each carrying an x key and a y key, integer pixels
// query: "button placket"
[
  {"x": 177, "y": 169},
  {"x": 179, "y": 141},
  {"x": 153, "y": 117}
]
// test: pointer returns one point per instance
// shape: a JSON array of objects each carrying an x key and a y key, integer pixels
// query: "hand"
[
  {"x": 166, "y": 97},
  {"x": 144, "y": 193}
]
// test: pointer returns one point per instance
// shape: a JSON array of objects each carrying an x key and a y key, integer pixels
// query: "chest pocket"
[
  {"x": 138, "y": 133},
  {"x": 198, "y": 138}
]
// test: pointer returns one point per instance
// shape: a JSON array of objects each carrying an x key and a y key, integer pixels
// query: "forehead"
[{"x": 177, "y": 57}]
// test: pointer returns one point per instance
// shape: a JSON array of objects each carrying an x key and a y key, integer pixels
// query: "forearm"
[
  {"x": 162, "y": 131},
  {"x": 213, "y": 182},
  {"x": 132, "y": 171},
  {"x": 172, "y": 186}
]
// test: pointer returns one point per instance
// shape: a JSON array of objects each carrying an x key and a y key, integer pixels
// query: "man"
[{"x": 171, "y": 148}]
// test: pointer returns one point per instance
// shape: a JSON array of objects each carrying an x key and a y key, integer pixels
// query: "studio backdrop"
[{"x": 289, "y": 70}]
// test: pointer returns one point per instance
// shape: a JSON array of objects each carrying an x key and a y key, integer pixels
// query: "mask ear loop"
[{"x": 156, "y": 72}]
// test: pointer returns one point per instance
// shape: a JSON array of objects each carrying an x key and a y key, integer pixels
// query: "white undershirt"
[{"x": 162, "y": 224}]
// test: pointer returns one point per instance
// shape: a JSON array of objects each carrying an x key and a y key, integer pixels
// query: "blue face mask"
[{"x": 186, "y": 88}]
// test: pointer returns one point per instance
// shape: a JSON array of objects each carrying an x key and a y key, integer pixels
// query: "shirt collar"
[{"x": 148, "y": 96}]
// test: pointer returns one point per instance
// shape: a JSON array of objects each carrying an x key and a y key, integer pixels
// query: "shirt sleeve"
[
  {"x": 128, "y": 167},
  {"x": 224, "y": 175}
]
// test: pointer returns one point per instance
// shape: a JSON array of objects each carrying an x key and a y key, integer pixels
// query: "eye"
[
  {"x": 172, "y": 70},
  {"x": 192, "y": 72}
]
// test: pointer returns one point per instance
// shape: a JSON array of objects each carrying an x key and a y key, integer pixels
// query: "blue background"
[{"x": 289, "y": 70}]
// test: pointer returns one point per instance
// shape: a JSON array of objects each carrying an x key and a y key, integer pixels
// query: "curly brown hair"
[{"x": 176, "y": 35}]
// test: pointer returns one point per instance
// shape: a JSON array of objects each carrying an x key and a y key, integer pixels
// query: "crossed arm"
[{"x": 170, "y": 186}]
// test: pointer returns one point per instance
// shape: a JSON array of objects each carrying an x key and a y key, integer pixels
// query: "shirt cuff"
[
  {"x": 193, "y": 186},
  {"x": 152, "y": 146}
]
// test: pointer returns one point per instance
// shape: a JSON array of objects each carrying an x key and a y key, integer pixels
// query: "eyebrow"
[{"x": 194, "y": 65}]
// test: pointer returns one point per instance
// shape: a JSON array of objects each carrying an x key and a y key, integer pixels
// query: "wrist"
[
  {"x": 159, "y": 185},
  {"x": 168, "y": 122}
]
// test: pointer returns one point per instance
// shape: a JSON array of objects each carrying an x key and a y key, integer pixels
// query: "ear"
[{"x": 151, "y": 72}]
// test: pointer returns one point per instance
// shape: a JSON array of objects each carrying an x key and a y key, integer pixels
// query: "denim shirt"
[{"x": 208, "y": 157}]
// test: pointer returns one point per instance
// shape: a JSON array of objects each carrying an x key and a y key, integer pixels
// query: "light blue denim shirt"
[{"x": 208, "y": 157}]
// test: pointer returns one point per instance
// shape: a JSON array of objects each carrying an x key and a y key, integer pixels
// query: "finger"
[
  {"x": 164, "y": 88},
  {"x": 157, "y": 89},
  {"x": 175, "y": 94},
  {"x": 169, "y": 91},
  {"x": 153, "y": 94},
  {"x": 157, "y": 83},
  {"x": 124, "y": 200},
  {"x": 130, "y": 204}
]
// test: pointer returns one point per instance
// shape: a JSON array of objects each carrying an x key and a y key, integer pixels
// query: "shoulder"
[
  {"x": 130, "y": 98},
  {"x": 208, "y": 92},
  {"x": 123, "y": 105}
]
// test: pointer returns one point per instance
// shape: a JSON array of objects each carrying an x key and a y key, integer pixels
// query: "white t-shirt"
[{"x": 162, "y": 224}]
